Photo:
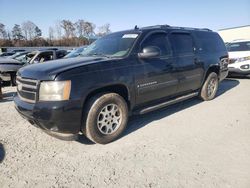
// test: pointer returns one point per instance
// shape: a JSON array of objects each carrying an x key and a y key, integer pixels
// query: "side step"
[{"x": 164, "y": 104}]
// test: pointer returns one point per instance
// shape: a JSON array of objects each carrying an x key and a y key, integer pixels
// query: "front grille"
[{"x": 27, "y": 89}]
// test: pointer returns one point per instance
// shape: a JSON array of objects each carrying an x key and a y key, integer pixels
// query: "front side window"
[
  {"x": 182, "y": 43},
  {"x": 158, "y": 40},
  {"x": 113, "y": 45}
]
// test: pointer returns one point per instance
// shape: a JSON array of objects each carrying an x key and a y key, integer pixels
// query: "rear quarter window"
[{"x": 210, "y": 42}]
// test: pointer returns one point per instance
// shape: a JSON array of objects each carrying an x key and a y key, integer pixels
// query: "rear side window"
[
  {"x": 159, "y": 40},
  {"x": 182, "y": 43},
  {"x": 238, "y": 46},
  {"x": 210, "y": 42}
]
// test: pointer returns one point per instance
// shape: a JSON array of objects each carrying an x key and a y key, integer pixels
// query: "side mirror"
[{"x": 149, "y": 52}]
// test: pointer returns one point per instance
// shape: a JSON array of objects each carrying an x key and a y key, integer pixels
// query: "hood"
[
  {"x": 49, "y": 70},
  {"x": 238, "y": 54},
  {"x": 8, "y": 61}
]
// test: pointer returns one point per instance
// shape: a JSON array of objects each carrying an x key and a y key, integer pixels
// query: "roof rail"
[
  {"x": 156, "y": 26},
  {"x": 173, "y": 27},
  {"x": 191, "y": 28}
]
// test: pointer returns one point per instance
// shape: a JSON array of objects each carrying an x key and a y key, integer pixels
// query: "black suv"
[{"x": 124, "y": 73}]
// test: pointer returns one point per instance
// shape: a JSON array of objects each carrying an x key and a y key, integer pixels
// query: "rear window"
[
  {"x": 238, "y": 46},
  {"x": 210, "y": 42}
]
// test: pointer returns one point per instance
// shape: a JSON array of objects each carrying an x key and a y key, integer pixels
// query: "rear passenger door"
[{"x": 189, "y": 68}]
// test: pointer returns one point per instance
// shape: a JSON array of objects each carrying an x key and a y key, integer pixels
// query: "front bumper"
[
  {"x": 60, "y": 119},
  {"x": 238, "y": 71}
]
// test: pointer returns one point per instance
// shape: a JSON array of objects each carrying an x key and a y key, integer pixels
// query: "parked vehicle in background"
[
  {"x": 40, "y": 56},
  {"x": 6, "y": 54},
  {"x": 239, "y": 57},
  {"x": 75, "y": 52},
  {"x": 18, "y": 54},
  {"x": 8, "y": 69},
  {"x": 9, "y": 66},
  {"x": 124, "y": 73},
  {"x": 18, "y": 50}
]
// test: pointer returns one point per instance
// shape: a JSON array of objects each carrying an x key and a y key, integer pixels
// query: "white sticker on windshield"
[{"x": 132, "y": 36}]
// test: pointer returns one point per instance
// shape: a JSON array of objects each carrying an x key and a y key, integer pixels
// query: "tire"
[
  {"x": 210, "y": 87},
  {"x": 106, "y": 117}
]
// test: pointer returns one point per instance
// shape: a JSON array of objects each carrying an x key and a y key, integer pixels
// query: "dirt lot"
[{"x": 191, "y": 144}]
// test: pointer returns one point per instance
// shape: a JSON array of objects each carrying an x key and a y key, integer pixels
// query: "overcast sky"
[{"x": 125, "y": 14}]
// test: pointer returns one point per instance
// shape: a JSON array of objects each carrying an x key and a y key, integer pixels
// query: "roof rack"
[
  {"x": 155, "y": 26},
  {"x": 173, "y": 27},
  {"x": 191, "y": 28}
]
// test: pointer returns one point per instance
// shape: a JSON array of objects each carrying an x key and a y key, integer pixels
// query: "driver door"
[{"x": 155, "y": 78}]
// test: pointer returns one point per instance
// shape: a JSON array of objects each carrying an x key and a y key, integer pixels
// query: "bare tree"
[
  {"x": 58, "y": 29},
  {"x": 28, "y": 28},
  {"x": 3, "y": 33},
  {"x": 89, "y": 29},
  {"x": 80, "y": 27},
  {"x": 69, "y": 28},
  {"x": 51, "y": 33},
  {"x": 104, "y": 30}
]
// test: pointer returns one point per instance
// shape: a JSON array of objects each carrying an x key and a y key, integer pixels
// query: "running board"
[{"x": 164, "y": 104}]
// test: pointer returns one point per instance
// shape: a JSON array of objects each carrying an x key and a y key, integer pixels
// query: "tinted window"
[
  {"x": 159, "y": 40},
  {"x": 61, "y": 54},
  {"x": 239, "y": 46},
  {"x": 45, "y": 56},
  {"x": 210, "y": 42},
  {"x": 182, "y": 43}
]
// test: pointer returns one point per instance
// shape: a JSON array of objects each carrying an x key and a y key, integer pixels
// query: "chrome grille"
[{"x": 27, "y": 89}]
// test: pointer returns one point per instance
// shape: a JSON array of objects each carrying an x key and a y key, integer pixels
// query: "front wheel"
[
  {"x": 210, "y": 87},
  {"x": 106, "y": 119}
]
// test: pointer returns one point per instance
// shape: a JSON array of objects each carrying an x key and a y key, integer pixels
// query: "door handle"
[{"x": 196, "y": 61}]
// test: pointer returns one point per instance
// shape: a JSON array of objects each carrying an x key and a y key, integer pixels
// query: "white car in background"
[{"x": 239, "y": 57}]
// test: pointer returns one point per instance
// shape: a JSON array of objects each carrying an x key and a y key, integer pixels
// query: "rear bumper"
[{"x": 60, "y": 119}]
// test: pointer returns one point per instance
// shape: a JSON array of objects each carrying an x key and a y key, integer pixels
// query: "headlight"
[
  {"x": 243, "y": 59},
  {"x": 54, "y": 90}
]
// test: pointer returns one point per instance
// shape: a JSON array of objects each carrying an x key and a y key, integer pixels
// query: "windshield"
[
  {"x": 21, "y": 58},
  {"x": 113, "y": 45},
  {"x": 238, "y": 46},
  {"x": 74, "y": 53}
]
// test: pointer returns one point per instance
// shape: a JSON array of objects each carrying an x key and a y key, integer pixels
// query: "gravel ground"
[{"x": 191, "y": 144}]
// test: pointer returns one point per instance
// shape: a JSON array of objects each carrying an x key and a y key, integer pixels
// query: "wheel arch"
[
  {"x": 212, "y": 68},
  {"x": 118, "y": 88}
]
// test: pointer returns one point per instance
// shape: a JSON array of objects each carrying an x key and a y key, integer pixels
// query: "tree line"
[{"x": 63, "y": 33}]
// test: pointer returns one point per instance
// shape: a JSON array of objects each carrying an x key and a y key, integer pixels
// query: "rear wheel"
[
  {"x": 210, "y": 87},
  {"x": 106, "y": 118}
]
